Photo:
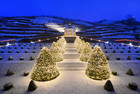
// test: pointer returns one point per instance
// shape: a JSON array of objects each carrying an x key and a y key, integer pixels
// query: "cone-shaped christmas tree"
[
  {"x": 44, "y": 69},
  {"x": 61, "y": 43},
  {"x": 77, "y": 42},
  {"x": 85, "y": 55},
  {"x": 56, "y": 53},
  {"x": 82, "y": 44},
  {"x": 97, "y": 67}
]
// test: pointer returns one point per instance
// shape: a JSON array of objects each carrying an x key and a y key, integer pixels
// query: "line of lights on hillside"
[{"x": 130, "y": 44}]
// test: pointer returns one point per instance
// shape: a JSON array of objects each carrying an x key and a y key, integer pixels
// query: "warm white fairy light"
[
  {"x": 56, "y": 52},
  {"x": 86, "y": 52},
  {"x": 97, "y": 67},
  {"x": 82, "y": 44},
  {"x": 45, "y": 68}
]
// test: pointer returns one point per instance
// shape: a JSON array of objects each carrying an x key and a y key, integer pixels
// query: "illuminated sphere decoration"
[
  {"x": 97, "y": 67},
  {"x": 45, "y": 68},
  {"x": 85, "y": 55}
]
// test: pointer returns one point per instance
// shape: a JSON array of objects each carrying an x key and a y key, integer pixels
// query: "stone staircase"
[{"x": 71, "y": 60}]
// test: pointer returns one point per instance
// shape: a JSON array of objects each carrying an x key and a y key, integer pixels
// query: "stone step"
[
  {"x": 71, "y": 56},
  {"x": 71, "y": 60},
  {"x": 70, "y": 45},
  {"x": 72, "y": 69},
  {"x": 71, "y": 64},
  {"x": 71, "y": 50}
]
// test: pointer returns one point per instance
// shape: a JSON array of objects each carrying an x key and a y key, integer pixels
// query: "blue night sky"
[{"x": 88, "y": 10}]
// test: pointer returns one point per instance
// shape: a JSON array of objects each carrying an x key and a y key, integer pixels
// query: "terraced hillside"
[
  {"x": 45, "y": 27},
  {"x": 24, "y": 28}
]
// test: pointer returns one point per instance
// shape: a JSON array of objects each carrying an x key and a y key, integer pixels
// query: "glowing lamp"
[
  {"x": 8, "y": 44},
  {"x": 130, "y": 44},
  {"x": 39, "y": 40},
  {"x": 32, "y": 42},
  {"x": 107, "y": 42}
]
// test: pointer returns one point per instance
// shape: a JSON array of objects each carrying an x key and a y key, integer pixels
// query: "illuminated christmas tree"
[
  {"x": 45, "y": 68},
  {"x": 85, "y": 55},
  {"x": 61, "y": 43},
  {"x": 56, "y": 53},
  {"x": 77, "y": 42},
  {"x": 97, "y": 67},
  {"x": 82, "y": 44}
]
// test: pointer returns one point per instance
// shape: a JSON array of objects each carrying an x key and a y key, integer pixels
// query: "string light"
[
  {"x": 98, "y": 67},
  {"x": 85, "y": 55},
  {"x": 56, "y": 51},
  {"x": 45, "y": 68}
]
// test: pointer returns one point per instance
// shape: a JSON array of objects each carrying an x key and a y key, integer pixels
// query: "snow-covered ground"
[{"x": 72, "y": 78}]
